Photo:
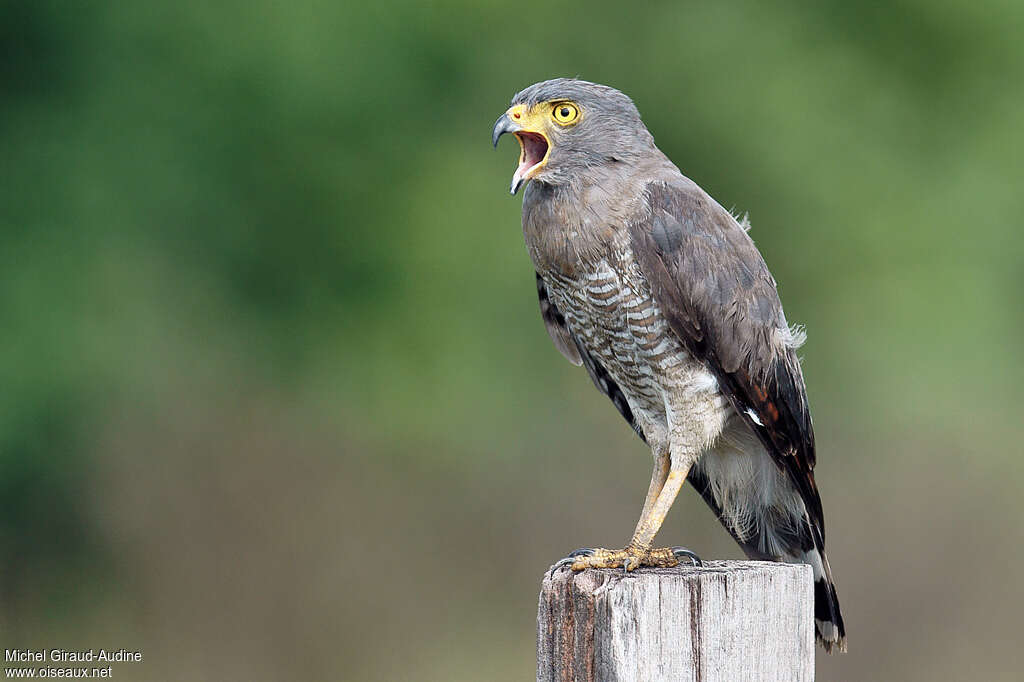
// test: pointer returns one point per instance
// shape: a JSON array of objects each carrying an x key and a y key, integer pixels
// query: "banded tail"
[{"x": 765, "y": 513}]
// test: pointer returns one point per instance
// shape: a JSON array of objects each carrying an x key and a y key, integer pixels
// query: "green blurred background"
[{"x": 277, "y": 402}]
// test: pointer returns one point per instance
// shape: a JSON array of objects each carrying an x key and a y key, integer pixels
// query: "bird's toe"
[{"x": 683, "y": 552}]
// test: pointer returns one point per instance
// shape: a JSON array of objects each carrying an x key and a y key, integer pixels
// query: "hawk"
[{"x": 661, "y": 295}]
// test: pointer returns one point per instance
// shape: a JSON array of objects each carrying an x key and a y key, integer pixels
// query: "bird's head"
[{"x": 567, "y": 126}]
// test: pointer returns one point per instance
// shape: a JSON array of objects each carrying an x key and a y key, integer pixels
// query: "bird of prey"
[{"x": 661, "y": 295}]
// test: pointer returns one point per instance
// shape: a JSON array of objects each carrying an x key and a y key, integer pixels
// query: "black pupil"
[{"x": 564, "y": 112}]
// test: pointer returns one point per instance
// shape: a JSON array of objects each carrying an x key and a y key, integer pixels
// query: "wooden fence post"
[{"x": 728, "y": 620}]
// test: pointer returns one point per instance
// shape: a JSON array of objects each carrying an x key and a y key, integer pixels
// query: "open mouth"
[
  {"x": 534, "y": 149},
  {"x": 534, "y": 153}
]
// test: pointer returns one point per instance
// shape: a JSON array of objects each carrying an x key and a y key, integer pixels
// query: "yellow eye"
[{"x": 565, "y": 113}]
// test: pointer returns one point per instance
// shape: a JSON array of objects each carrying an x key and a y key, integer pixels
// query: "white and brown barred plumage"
[{"x": 661, "y": 294}]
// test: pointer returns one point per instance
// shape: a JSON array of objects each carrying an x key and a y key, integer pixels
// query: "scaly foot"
[{"x": 629, "y": 558}]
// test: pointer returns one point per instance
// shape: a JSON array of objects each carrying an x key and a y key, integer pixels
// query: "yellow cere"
[
  {"x": 534, "y": 120},
  {"x": 538, "y": 120}
]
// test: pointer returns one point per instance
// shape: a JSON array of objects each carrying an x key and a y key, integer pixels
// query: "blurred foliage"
[{"x": 270, "y": 328}]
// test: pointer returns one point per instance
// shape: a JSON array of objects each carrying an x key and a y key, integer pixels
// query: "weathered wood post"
[{"x": 728, "y": 620}]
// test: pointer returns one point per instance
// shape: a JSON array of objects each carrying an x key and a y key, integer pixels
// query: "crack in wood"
[{"x": 746, "y": 620}]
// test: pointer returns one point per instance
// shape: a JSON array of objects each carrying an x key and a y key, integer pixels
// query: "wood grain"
[{"x": 728, "y": 620}]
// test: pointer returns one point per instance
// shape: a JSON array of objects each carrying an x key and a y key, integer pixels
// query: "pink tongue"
[
  {"x": 532, "y": 155},
  {"x": 534, "y": 149}
]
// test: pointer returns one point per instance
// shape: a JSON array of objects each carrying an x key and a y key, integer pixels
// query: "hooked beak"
[
  {"x": 503, "y": 125},
  {"x": 533, "y": 149}
]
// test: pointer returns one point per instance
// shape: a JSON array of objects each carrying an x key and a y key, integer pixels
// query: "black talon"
[
  {"x": 568, "y": 559},
  {"x": 681, "y": 552},
  {"x": 582, "y": 551}
]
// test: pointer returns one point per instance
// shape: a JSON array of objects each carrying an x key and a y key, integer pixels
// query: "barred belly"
[{"x": 610, "y": 309}]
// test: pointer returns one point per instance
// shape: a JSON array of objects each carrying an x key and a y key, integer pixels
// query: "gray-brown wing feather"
[{"x": 719, "y": 298}]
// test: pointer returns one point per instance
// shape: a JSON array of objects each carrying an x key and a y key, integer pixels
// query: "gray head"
[{"x": 565, "y": 126}]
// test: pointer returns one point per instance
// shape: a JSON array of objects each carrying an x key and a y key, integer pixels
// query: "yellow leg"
[
  {"x": 650, "y": 523},
  {"x": 658, "y": 476},
  {"x": 639, "y": 552}
]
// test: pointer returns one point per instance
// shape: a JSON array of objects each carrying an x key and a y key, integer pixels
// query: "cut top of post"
[{"x": 726, "y": 620}]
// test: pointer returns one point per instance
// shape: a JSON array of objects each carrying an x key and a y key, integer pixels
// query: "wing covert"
[{"x": 714, "y": 288}]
